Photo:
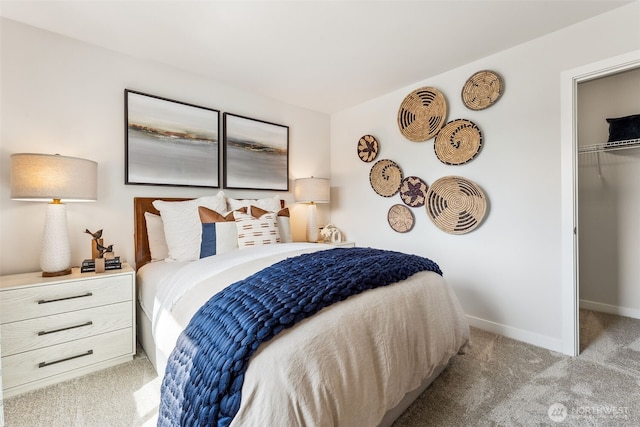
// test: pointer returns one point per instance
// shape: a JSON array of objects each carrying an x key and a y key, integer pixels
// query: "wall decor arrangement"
[
  {"x": 413, "y": 191},
  {"x": 256, "y": 154},
  {"x": 422, "y": 113},
  {"x": 385, "y": 177},
  {"x": 458, "y": 142},
  {"x": 482, "y": 90},
  {"x": 368, "y": 148},
  {"x": 400, "y": 218},
  {"x": 456, "y": 205},
  {"x": 169, "y": 142}
]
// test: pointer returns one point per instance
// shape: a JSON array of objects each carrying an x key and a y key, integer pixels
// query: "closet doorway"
[
  {"x": 608, "y": 204},
  {"x": 570, "y": 203}
]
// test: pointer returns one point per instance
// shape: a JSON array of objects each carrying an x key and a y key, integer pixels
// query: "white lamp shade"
[
  {"x": 45, "y": 177},
  {"x": 312, "y": 190},
  {"x": 54, "y": 178}
]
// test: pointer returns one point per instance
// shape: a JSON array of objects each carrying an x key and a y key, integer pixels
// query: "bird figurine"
[
  {"x": 96, "y": 235},
  {"x": 104, "y": 249}
]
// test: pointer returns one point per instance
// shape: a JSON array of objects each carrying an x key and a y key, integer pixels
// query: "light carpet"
[{"x": 499, "y": 382}]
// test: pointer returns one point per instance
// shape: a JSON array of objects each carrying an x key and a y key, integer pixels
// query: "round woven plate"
[
  {"x": 422, "y": 114},
  {"x": 482, "y": 90},
  {"x": 458, "y": 142},
  {"x": 385, "y": 177},
  {"x": 400, "y": 218},
  {"x": 413, "y": 191},
  {"x": 456, "y": 205},
  {"x": 367, "y": 148}
]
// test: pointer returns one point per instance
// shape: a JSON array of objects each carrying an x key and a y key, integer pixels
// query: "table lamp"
[
  {"x": 54, "y": 179},
  {"x": 312, "y": 190}
]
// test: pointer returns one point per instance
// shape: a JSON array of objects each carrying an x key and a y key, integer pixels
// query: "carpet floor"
[{"x": 499, "y": 382}]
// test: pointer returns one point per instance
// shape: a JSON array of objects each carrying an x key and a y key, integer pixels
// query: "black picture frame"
[
  {"x": 170, "y": 142},
  {"x": 256, "y": 154}
]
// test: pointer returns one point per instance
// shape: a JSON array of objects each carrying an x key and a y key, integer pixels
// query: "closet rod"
[{"x": 610, "y": 146}]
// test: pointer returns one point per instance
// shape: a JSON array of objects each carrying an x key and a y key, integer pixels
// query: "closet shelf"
[{"x": 610, "y": 146}]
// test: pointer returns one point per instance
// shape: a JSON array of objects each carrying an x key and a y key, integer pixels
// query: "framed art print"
[
  {"x": 256, "y": 154},
  {"x": 170, "y": 143}
]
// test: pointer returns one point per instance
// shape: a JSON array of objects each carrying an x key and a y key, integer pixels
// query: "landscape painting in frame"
[
  {"x": 170, "y": 142},
  {"x": 256, "y": 154}
]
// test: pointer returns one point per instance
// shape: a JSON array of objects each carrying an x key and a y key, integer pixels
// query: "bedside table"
[{"x": 57, "y": 328}]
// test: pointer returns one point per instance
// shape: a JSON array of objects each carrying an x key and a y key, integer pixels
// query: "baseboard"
[
  {"x": 611, "y": 309},
  {"x": 553, "y": 344}
]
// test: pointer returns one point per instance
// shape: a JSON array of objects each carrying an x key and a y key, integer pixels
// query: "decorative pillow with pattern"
[
  {"x": 182, "y": 227},
  {"x": 219, "y": 234},
  {"x": 256, "y": 231},
  {"x": 284, "y": 223}
]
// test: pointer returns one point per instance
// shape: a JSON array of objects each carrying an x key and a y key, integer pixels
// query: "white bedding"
[{"x": 346, "y": 366}]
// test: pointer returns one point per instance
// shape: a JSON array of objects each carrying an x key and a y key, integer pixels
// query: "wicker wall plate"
[
  {"x": 422, "y": 114},
  {"x": 385, "y": 177},
  {"x": 482, "y": 90},
  {"x": 413, "y": 191},
  {"x": 458, "y": 142},
  {"x": 456, "y": 205},
  {"x": 400, "y": 218},
  {"x": 367, "y": 148}
]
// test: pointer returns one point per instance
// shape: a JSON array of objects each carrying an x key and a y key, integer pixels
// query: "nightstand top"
[{"x": 35, "y": 278}]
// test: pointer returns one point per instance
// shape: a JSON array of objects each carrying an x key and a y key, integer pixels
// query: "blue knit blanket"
[{"x": 203, "y": 381}]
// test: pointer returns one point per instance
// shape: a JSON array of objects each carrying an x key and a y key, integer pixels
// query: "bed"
[{"x": 358, "y": 362}]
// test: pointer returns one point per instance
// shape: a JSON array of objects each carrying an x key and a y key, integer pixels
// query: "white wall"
[
  {"x": 63, "y": 96},
  {"x": 507, "y": 272},
  {"x": 609, "y": 198}
]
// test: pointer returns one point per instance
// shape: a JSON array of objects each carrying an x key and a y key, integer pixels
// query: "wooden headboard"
[
  {"x": 141, "y": 240},
  {"x": 140, "y": 237}
]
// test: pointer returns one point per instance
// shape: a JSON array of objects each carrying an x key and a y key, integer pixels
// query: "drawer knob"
[
  {"x": 44, "y": 364},
  {"x": 46, "y": 301},
  {"x": 89, "y": 323}
]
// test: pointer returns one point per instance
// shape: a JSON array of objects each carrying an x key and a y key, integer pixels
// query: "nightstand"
[
  {"x": 57, "y": 328},
  {"x": 344, "y": 244}
]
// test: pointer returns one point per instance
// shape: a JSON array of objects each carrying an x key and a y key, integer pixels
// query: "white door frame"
[{"x": 569, "y": 187}]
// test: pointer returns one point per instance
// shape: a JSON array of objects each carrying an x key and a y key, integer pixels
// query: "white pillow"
[
  {"x": 155, "y": 235},
  {"x": 182, "y": 228},
  {"x": 256, "y": 231},
  {"x": 271, "y": 204}
]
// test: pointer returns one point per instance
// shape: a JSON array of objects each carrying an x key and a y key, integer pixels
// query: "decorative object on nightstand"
[
  {"x": 57, "y": 328},
  {"x": 331, "y": 234},
  {"x": 368, "y": 148},
  {"x": 56, "y": 179},
  {"x": 312, "y": 191},
  {"x": 103, "y": 257}
]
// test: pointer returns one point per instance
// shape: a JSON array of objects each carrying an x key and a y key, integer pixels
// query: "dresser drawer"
[
  {"x": 31, "y": 334},
  {"x": 39, "y": 364},
  {"x": 46, "y": 300}
]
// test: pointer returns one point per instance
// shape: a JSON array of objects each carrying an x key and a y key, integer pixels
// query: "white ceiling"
[{"x": 321, "y": 55}]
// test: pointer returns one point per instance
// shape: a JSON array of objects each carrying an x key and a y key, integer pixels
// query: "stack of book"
[{"x": 109, "y": 264}]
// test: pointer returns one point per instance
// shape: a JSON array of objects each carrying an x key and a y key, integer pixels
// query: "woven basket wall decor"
[
  {"x": 456, "y": 205},
  {"x": 367, "y": 148},
  {"x": 422, "y": 114},
  {"x": 385, "y": 177},
  {"x": 458, "y": 142},
  {"x": 400, "y": 218},
  {"x": 482, "y": 90},
  {"x": 413, "y": 191}
]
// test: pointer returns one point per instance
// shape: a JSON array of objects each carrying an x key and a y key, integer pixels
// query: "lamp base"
[
  {"x": 56, "y": 273},
  {"x": 312, "y": 224}
]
